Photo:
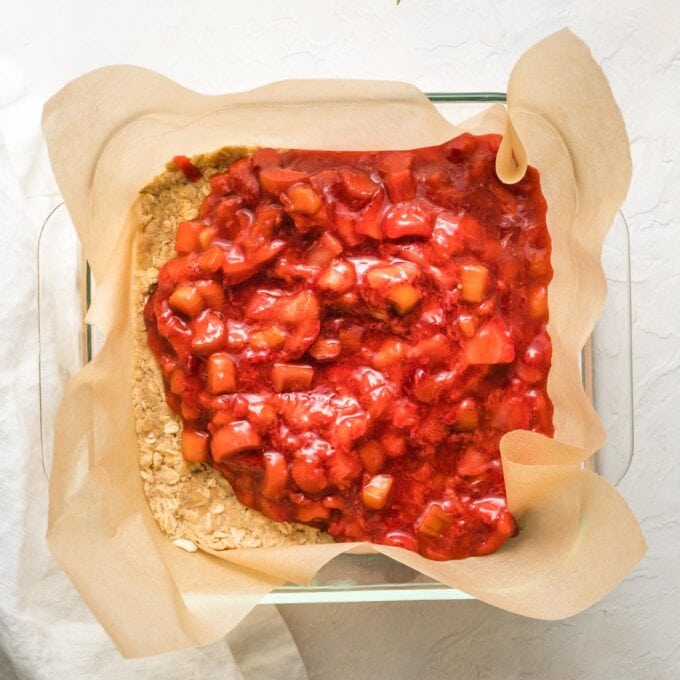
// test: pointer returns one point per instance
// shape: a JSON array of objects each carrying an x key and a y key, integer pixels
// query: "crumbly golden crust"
[{"x": 192, "y": 503}]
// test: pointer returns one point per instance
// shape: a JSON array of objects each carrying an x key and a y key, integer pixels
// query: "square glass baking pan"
[{"x": 65, "y": 289}]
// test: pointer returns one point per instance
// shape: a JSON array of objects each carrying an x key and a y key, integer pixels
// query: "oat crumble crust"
[{"x": 190, "y": 502}]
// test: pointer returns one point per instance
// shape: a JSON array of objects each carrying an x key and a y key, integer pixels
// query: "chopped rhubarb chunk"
[
  {"x": 376, "y": 492},
  {"x": 195, "y": 446},
  {"x": 187, "y": 300},
  {"x": 304, "y": 198},
  {"x": 338, "y": 277},
  {"x": 325, "y": 349},
  {"x": 234, "y": 438},
  {"x": 275, "y": 475},
  {"x": 221, "y": 374},
  {"x": 324, "y": 250},
  {"x": 403, "y": 297},
  {"x": 434, "y": 521},
  {"x": 292, "y": 377},
  {"x": 474, "y": 279},
  {"x": 187, "y": 239}
]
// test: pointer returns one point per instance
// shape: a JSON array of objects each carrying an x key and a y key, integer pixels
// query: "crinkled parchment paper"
[{"x": 112, "y": 130}]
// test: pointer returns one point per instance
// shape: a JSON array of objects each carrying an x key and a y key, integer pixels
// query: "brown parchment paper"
[{"x": 112, "y": 130}]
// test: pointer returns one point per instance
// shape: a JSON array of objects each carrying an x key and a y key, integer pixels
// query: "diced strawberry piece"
[
  {"x": 461, "y": 147},
  {"x": 512, "y": 414},
  {"x": 357, "y": 185},
  {"x": 368, "y": 222},
  {"x": 400, "y": 539},
  {"x": 390, "y": 352},
  {"x": 403, "y": 297},
  {"x": 345, "y": 223},
  {"x": 291, "y": 309},
  {"x": 324, "y": 250},
  {"x": 212, "y": 292},
  {"x": 221, "y": 375},
  {"x": 206, "y": 236},
  {"x": 408, "y": 219},
  {"x": 262, "y": 416},
  {"x": 275, "y": 510},
  {"x": 195, "y": 445},
  {"x": 539, "y": 351},
  {"x": 333, "y": 502},
  {"x": 266, "y": 158},
  {"x": 466, "y": 416},
  {"x": 434, "y": 521},
  {"x": 178, "y": 381},
  {"x": 267, "y": 218},
  {"x": 492, "y": 344},
  {"x": 187, "y": 300},
  {"x": 266, "y": 252},
  {"x": 270, "y": 337},
  {"x": 188, "y": 169},
  {"x": 187, "y": 239},
  {"x": 474, "y": 279},
  {"x": 226, "y": 216},
  {"x": 190, "y": 411},
  {"x": 432, "y": 350},
  {"x": 372, "y": 456},
  {"x": 396, "y": 170},
  {"x": 209, "y": 333},
  {"x": 539, "y": 264},
  {"x": 232, "y": 439},
  {"x": 237, "y": 270},
  {"x": 338, "y": 277},
  {"x": 243, "y": 180},
  {"x": 472, "y": 463},
  {"x": 537, "y": 303},
  {"x": 405, "y": 414},
  {"x": 292, "y": 377},
  {"x": 377, "y": 491},
  {"x": 308, "y": 473},
  {"x": 312, "y": 513},
  {"x": 275, "y": 475},
  {"x": 211, "y": 260},
  {"x": 432, "y": 430},
  {"x": 394, "y": 443},
  {"x": 276, "y": 180},
  {"x": 325, "y": 349},
  {"x": 220, "y": 185},
  {"x": 343, "y": 469},
  {"x": 304, "y": 199},
  {"x": 237, "y": 335},
  {"x": 387, "y": 275},
  {"x": 529, "y": 374}
]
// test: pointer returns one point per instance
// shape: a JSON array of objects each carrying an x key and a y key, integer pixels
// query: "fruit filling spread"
[{"x": 347, "y": 336}]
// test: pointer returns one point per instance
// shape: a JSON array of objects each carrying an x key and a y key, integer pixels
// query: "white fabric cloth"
[{"x": 46, "y": 631}]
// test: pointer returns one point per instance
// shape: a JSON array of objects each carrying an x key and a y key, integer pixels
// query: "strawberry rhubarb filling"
[{"x": 347, "y": 336}]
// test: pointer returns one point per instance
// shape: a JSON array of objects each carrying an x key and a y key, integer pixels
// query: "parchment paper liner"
[{"x": 110, "y": 131}]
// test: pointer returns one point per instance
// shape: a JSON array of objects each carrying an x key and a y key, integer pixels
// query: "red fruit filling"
[{"x": 348, "y": 335}]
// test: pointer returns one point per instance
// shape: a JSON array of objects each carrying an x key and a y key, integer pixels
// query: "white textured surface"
[{"x": 463, "y": 45}]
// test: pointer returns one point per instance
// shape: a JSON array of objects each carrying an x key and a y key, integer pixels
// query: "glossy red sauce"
[{"x": 347, "y": 336}]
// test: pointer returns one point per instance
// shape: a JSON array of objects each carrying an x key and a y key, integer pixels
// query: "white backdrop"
[{"x": 218, "y": 46}]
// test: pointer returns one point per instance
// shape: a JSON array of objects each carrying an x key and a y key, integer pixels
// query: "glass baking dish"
[{"x": 65, "y": 289}]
